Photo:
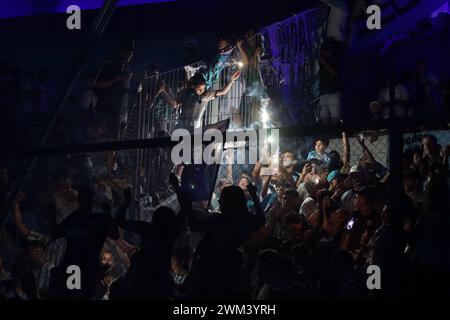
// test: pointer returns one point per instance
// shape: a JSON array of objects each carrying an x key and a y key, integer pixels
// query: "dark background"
[{"x": 159, "y": 30}]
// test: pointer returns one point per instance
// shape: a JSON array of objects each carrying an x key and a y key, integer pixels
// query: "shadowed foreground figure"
[
  {"x": 85, "y": 232},
  {"x": 149, "y": 276},
  {"x": 216, "y": 266}
]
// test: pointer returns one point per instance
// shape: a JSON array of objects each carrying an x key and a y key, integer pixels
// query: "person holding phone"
[
  {"x": 278, "y": 226},
  {"x": 365, "y": 217},
  {"x": 327, "y": 225}
]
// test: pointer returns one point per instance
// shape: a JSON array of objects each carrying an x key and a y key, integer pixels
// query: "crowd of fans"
[{"x": 309, "y": 231}]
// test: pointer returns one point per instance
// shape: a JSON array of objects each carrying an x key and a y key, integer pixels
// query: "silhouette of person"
[
  {"x": 215, "y": 267},
  {"x": 85, "y": 232},
  {"x": 149, "y": 276}
]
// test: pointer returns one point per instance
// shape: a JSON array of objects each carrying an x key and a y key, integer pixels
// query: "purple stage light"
[
  {"x": 443, "y": 9},
  {"x": 21, "y": 8}
]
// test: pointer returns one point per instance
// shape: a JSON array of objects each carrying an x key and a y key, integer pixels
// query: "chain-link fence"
[{"x": 155, "y": 164}]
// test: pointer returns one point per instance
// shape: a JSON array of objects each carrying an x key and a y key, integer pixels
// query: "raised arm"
[
  {"x": 243, "y": 53},
  {"x": 265, "y": 186},
  {"x": 228, "y": 87},
  {"x": 264, "y": 160},
  {"x": 229, "y": 159},
  {"x": 325, "y": 207},
  {"x": 186, "y": 212},
  {"x": 322, "y": 212},
  {"x": 23, "y": 228},
  {"x": 307, "y": 168},
  {"x": 256, "y": 172},
  {"x": 365, "y": 149},
  {"x": 346, "y": 149},
  {"x": 101, "y": 84},
  {"x": 169, "y": 99},
  {"x": 261, "y": 219},
  {"x": 185, "y": 204},
  {"x": 107, "y": 78},
  {"x": 139, "y": 227}
]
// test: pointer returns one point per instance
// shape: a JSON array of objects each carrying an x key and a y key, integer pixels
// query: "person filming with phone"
[{"x": 364, "y": 216}]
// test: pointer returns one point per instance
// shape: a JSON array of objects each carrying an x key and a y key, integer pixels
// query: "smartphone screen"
[{"x": 350, "y": 223}]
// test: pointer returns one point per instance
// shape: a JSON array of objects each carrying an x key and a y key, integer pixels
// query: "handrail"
[{"x": 406, "y": 124}]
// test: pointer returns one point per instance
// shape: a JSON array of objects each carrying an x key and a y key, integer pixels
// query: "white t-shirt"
[
  {"x": 303, "y": 192},
  {"x": 308, "y": 207}
]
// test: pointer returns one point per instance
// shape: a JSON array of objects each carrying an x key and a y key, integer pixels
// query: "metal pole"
[
  {"x": 395, "y": 191},
  {"x": 332, "y": 130}
]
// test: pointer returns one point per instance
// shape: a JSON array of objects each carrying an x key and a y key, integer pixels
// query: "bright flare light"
[
  {"x": 264, "y": 116},
  {"x": 316, "y": 180}
]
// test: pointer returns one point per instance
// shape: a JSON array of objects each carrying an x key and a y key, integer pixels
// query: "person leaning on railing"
[{"x": 192, "y": 100}]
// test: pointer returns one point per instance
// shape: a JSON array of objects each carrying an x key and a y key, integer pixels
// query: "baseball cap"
[{"x": 333, "y": 175}]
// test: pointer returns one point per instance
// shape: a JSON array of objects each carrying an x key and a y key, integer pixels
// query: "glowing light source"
[
  {"x": 316, "y": 180},
  {"x": 10, "y": 9},
  {"x": 264, "y": 116},
  {"x": 275, "y": 159},
  {"x": 265, "y": 103},
  {"x": 443, "y": 9}
]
